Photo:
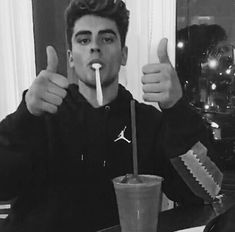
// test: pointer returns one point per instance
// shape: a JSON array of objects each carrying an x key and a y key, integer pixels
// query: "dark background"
[{"x": 49, "y": 29}]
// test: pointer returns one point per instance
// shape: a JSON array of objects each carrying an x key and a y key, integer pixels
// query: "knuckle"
[
  {"x": 43, "y": 106},
  {"x": 144, "y": 97},
  {"x": 148, "y": 78},
  {"x": 143, "y": 79},
  {"x": 66, "y": 83},
  {"x": 49, "y": 108},
  {"x": 31, "y": 100},
  {"x": 41, "y": 81},
  {"x": 144, "y": 88},
  {"x": 64, "y": 93},
  {"x": 54, "y": 109},
  {"x": 59, "y": 101},
  {"x": 145, "y": 68},
  {"x": 43, "y": 74}
]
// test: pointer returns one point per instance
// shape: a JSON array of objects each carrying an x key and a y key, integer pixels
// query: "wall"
[{"x": 49, "y": 29}]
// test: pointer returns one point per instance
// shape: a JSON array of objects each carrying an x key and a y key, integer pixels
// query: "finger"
[
  {"x": 153, "y": 97},
  {"x": 52, "y": 99},
  {"x": 152, "y": 68},
  {"x": 162, "y": 51},
  {"x": 151, "y": 78},
  {"x": 153, "y": 88},
  {"x": 54, "y": 89},
  {"x": 48, "y": 107},
  {"x": 52, "y": 59},
  {"x": 59, "y": 80}
]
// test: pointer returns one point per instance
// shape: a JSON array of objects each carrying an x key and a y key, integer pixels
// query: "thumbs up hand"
[
  {"x": 48, "y": 89},
  {"x": 160, "y": 80}
]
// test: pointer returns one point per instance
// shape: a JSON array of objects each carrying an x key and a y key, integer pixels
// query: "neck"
[{"x": 109, "y": 93}]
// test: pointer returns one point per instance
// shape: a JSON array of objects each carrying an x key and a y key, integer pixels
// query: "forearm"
[
  {"x": 183, "y": 127},
  {"x": 176, "y": 189},
  {"x": 187, "y": 146}
]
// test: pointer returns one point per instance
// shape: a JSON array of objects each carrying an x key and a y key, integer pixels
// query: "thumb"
[
  {"x": 52, "y": 59},
  {"x": 162, "y": 51}
]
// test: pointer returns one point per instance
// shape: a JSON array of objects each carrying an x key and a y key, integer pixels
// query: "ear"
[
  {"x": 124, "y": 55},
  {"x": 70, "y": 58}
]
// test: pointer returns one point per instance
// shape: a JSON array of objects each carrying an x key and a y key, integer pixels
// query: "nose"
[
  {"x": 95, "y": 49},
  {"x": 95, "y": 46}
]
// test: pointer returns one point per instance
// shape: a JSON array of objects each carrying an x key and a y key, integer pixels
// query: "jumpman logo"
[{"x": 122, "y": 136}]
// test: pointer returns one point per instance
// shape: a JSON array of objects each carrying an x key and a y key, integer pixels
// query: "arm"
[
  {"x": 183, "y": 136},
  {"x": 23, "y": 134},
  {"x": 21, "y": 138},
  {"x": 187, "y": 145}
]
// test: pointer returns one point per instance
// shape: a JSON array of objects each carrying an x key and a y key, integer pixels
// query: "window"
[
  {"x": 17, "y": 63},
  {"x": 205, "y": 49}
]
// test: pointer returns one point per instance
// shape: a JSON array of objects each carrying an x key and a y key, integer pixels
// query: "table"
[{"x": 186, "y": 217}]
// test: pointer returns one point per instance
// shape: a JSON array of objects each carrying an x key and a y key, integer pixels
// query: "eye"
[
  {"x": 108, "y": 39},
  {"x": 83, "y": 41}
]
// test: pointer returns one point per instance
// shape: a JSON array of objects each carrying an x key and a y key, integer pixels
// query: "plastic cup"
[{"x": 139, "y": 203}]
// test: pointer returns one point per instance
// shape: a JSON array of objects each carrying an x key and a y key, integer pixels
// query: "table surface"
[{"x": 186, "y": 217}]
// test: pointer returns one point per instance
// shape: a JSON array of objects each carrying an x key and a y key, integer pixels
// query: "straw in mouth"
[{"x": 99, "y": 94}]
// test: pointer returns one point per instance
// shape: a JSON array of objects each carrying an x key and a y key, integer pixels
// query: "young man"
[{"x": 63, "y": 149}]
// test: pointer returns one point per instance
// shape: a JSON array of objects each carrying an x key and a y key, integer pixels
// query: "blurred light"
[
  {"x": 180, "y": 44},
  {"x": 213, "y": 86},
  {"x": 228, "y": 71},
  {"x": 213, "y": 63},
  {"x": 220, "y": 74},
  {"x": 214, "y": 125},
  {"x": 206, "y": 107},
  {"x": 216, "y": 130},
  {"x": 205, "y": 19}
]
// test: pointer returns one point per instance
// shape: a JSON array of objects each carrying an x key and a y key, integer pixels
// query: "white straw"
[{"x": 99, "y": 94}]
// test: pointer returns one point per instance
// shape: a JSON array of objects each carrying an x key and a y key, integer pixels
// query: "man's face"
[{"x": 96, "y": 40}]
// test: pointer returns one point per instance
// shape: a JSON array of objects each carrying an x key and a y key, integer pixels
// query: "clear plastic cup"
[{"x": 139, "y": 203}]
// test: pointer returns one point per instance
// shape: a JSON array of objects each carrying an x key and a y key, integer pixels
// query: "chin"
[
  {"x": 90, "y": 84},
  {"x": 88, "y": 81}
]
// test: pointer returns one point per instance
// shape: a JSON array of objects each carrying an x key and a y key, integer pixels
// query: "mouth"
[{"x": 95, "y": 61}]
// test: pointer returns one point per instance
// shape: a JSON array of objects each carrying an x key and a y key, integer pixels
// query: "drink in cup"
[{"x": 138, "y": 203}]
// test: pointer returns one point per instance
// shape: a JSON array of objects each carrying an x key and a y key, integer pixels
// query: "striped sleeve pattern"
[{"x": 199, "y": 172}]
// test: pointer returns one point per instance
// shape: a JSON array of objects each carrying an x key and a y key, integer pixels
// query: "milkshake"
[{"x": 138, "y": 202}]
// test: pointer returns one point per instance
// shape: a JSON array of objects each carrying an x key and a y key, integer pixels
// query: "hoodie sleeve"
[
  {"x": 21, "y": 139},
  {"x": 187, "y": 145}
]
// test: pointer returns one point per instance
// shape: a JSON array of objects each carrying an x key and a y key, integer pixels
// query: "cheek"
[
  {"x": 78, "y": 56},
  {"x": 79, "y": 63},
  {"x": 117, "y": 61},
  {"x": 77, "y": 59}
]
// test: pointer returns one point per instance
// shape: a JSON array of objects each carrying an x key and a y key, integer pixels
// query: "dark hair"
[{"x": 112, "y": 9}]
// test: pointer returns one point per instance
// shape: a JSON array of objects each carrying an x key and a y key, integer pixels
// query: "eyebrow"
[
  {"x": 85, "y": 32},
  {"x": 82, "y": 33},
  {"x": 110, "y": 31}
]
